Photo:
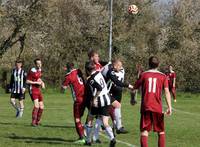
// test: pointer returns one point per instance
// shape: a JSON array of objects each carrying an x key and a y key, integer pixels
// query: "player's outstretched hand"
[
  {"x": 168, "y": 112},
  {"x": 130, "y": 87}
]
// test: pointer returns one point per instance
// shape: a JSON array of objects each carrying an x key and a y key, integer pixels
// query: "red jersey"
[
  {"x": 98, "y": 66},
  {"x": 34, "y": 75},
  {"x": 152, "y": 82},
  {"x": 170, "y": 78},
  {"x": 75, "y": 80}
]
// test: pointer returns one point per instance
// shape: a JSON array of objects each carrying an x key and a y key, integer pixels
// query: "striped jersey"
[
  {"x": 97, "y": 83},
  {"x": 18, "y": 80}
]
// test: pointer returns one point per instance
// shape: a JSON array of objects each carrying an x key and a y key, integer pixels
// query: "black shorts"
[
  {"x": 19, "y": 96},
  {"x": 102, "y": 111}
]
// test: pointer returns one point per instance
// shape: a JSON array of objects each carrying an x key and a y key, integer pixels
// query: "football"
[{"x": 133, "y": 9}]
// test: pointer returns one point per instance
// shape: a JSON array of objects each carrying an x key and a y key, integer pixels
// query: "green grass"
[{"x": 182, "y": 128}]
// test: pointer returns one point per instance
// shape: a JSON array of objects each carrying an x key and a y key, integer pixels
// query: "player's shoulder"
[
  {"x": 153, "y": 71},
  {"x": 33, "y": 69}
]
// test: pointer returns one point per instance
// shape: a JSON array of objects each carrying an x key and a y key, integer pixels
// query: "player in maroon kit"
[
  {"x": 171, "y": 76},
  {"x": 74, "y": 79},
  {"x": 35, "y": 82},
  {"x": 152, "y": 83}
]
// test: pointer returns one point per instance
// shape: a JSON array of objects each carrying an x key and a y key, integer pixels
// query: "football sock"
[
  {"x": 79, "y": 129},
  {"x": 109, "y": 132},
  {"x": 161, "y": 140},
  {"x": 21, "y": 111},
  {"x": 97, "y": 129},
  {"x": 144, "y": 141},
  {"x": 118, "y": 118},
  {"x": 34, "y": 115},
  {"x": 39, "y": 115},
  {"x": 88, "y": 133}
]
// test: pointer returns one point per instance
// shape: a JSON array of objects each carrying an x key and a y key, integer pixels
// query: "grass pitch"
[{"x": 182, "y": 128}]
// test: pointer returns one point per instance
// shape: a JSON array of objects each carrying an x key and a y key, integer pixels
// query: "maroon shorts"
[
  {"x": 78, "y": 109},
  {"x": 149, "y": 119},
  {"x": 36, "y": 95}
]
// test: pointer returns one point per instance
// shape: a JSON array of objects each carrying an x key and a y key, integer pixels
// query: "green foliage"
[{"x": 59, "y": 31}]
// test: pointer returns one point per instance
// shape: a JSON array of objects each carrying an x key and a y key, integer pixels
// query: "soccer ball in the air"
[{"x": 133, "y": 9}]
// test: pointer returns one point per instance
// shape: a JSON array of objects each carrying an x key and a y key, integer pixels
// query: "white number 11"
[{"x": 152, "y": 83}]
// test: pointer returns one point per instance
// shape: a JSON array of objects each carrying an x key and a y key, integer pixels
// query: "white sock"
[
  {"x": 109, "y": 132},
  {"x": 118, "y": 118},
  {"x": 88, "y": 133},
  {"x": 21, "y": 111},
  {"x": 97, "y": 129}
]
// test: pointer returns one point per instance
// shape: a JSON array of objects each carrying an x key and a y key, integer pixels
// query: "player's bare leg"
[
  {"x": 109, "y": 130},
  {"x": 173, "y": 91},
  {"x": 40, "y": 111},
  {"x": 161, "y": 139},
  {"x": 144, "y": 139},
  {"x": 35, "y": 112},
  {"x": 14, "y": 104},
  {"x": 21, "y": 107},
  {"x": 89, "y": 129}
]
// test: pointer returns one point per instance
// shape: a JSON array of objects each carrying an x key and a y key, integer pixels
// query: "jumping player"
[
  {"x": 171, "y": 76},
  {"x": 152, "y": 83},
  {"x": 74, "y": 79},
  {"x": 100, "y": 103},
  {"x": 35, "y": 82},
  {"x": 18, "y": 87}
]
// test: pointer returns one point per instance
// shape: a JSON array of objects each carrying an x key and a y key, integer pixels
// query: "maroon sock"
[
  {"x": 161, "y": 140},
  {"x": 79, "y": 129},
  {"x": 112, "y": 113},
  {"x": 39, "y": 115},
  {"x": 144, "y": 141},
  {"x": 34, "y": 115}
]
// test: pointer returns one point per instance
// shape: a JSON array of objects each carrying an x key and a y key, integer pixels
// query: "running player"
[
  {"x": 100, "y": 102},
  {"x": 74, "y": 79},
  {"x": 35, "y": 82},
  {"x": 18, "y": 87},
  {"x": 152, "y": 83},
  {"x": 171, "y": 76}
]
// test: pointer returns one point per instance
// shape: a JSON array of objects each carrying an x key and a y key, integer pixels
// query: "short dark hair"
[
  {"x": 37, "y": 59},
  {"x": 91, "y": 53},
  {"x": 89, "y": 67},
  {"x": 70, "y": 65},
  {"x": 19, "y": 61},
  {"x": 153, "y": 62}
]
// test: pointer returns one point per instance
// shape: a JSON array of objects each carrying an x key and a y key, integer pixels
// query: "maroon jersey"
[
  {"x": 34, "y": 75},
  {"x": 170, "y": 78},
  {"x": 75, "y": 80},
  {"x": 152, "y": 82}
]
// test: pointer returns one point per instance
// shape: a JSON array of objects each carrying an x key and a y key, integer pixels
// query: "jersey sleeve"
[
  {"x": 111, "y": 75},
  {"x": 174, "y": 75},
  {"x": 138, "y": 83},
  {"x": 67, "y": 81},
  {"x": 96, "y": 85}
]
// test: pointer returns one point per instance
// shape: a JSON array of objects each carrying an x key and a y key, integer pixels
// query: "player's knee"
[
  {"x": 12, "y": 101},
  {"x": 144, "y": 133},
  {"x": 161, "y": 133},
  {"x": 77, "y": 120}
]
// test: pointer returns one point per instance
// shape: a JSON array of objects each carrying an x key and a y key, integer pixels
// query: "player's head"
[
  {"x": 153, "y": 62},
  {"x": 69, "y": 66},
  {"x": 90, "y": 67},
  {"x": 117, "y": 65},
  {"x": 93, "y": 56},
  {"x": 38, "y": 63},
  {"x": 170, "y": 68},
  {"x": 19, "y": 63}
]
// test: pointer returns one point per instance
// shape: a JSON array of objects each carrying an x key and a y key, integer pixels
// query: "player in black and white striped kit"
[
  {"x": 100, "y": 103},
  {"x": 18, "y": 87}
]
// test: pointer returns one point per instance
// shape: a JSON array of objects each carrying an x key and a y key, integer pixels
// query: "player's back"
[
  {"x": 152, "y": 82},
  {"x": 77, "y": 82}
]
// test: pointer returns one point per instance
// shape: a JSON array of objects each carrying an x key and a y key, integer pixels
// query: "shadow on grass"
[
  {"x": 43, "y": 140},
  {"x": 29, "y": 125}
]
